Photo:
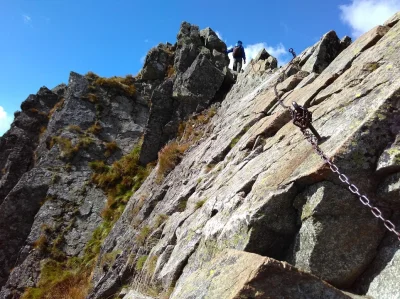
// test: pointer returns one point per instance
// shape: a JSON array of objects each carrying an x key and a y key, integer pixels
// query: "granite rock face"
[
  {"x": 198, "y": 72},
  {"x": 53, "y": 205},
  {"x": 254, "y": 184},
  {"x": 249, "y": 208},
  {"x": 238, "y": 274}
]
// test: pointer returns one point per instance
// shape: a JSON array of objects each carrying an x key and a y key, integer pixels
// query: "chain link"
[{"x": 353, "y": 189}]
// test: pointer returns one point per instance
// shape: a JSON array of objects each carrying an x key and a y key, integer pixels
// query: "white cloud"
[
  {"x": 27, "y": 20},
  {"x": 362, "y": 15},
  {"x": 5, "y": 121},
  {"x": 251, "y": 51},
  {"x": 142, "y": 59}
]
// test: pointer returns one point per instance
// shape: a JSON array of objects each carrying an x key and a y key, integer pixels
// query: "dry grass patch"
[
  {"x": 56, "y": 107},
  {"x": 169, "y": 156},
  {"x": 118, "y": 83}
]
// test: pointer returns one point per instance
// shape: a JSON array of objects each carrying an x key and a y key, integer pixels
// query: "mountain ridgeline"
[{"x": 189, "y": 180}]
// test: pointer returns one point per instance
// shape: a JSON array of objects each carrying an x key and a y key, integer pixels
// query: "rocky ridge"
[{"x": 246, "y": 210}]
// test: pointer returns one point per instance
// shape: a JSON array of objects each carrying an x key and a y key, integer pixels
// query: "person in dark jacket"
[{"x": 238, "y": 54}]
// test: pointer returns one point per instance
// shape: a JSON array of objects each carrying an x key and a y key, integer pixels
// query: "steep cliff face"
[
  {"x": 238, "y": 204},
  {"x": 52, "y": 209},
  {"x": 71, "y": 161},
  {"x": 253, "y": 183}
]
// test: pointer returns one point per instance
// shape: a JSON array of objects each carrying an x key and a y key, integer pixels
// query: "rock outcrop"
[
  {"x": 238, "y": 204},
  {"x": 199, "y": 76},
  {"x": 238, "y": 274},
  {"x": 254, "y": 184}
]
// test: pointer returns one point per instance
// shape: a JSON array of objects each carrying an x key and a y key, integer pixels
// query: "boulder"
[
  {"x": 239, "y": 274},
  {"x": 262, "y": 55},
  {"x": 345, "y": 42},
  {"x": 187, "y": 46},
  {"x": 212, "y": 41},
  {"x": 157, "y": 61},
  {"x": 198, "y": 85},
  {"x": 325, "y": 246},
  {"x": 325, "y": 52}
]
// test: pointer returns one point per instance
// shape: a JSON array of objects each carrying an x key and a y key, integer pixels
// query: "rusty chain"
[
  {"x": 302, "y": 118},
  {"x": 353, "y": 188}
]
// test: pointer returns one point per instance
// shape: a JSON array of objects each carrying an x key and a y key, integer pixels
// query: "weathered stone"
[
  {"x": 161, "y": 113},
  {"x": 54, "y": 199},
  {"x": 135, "y": 295},
  {"x": 345, "y": 42},
  {"x": 343, "y": 62},
  {"x": 262, "y": 55},
  {"x": 187, "y": 46},
  {"x": 291, "y": 70},
  {"x": 326, "y": 51},
  {"x": 17, "y": 214},
  {"x": 389, "y": 189},
  {"x": 302, "y": 58},
  {"x": 327, "y": 211},
  {"x": 18, "y": 144},
  {"x": 291, "y": 82},
  {"x": 198, "y": 85},
  {"x": 269, "y": 63},
  {"x": 380, "y": 278},
  {"x": 156, "y": 64},
  {"x": 212, "y": 41},
  {"x": 307, "y": 80},
  {"x": 219, "y": 60},
  {"x": 234, "y": 187},
  {"x": 393, "y": 20},
  {"x": 390, "y": 158},
  {"x": 238, "y": 274}
]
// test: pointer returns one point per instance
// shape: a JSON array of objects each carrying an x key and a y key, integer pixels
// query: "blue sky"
[{"x": 43, "y": 40}]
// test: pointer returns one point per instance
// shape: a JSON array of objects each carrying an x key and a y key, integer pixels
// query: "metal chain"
[
  {"x": 302, "y": 118},
  {"x": 353, "y": 188}
]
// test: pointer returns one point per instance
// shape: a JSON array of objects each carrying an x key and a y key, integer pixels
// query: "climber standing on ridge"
[{"x": 238, "y": 54}]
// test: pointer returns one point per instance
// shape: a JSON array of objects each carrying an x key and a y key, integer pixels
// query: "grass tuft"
[{"x": 118, "y": 84}]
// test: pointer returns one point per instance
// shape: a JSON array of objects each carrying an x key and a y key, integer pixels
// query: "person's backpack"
[{"x": 237, "y": 52}]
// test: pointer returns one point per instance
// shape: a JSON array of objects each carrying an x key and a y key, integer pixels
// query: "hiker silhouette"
[{"x": 238, "y": 54}]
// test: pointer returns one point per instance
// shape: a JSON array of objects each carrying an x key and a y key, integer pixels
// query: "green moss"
[
  {"x": 74, "y": 128},
  {"x": 111, "y": 147},
  {"x": 200, "y": 203},
  {"x": 32, "y": 293},
  {"x": 55, "y": 179},
  {"x": 143, "y": 234},
  {"x": 151, "y": 265},
  {"x": 95, "y": 129},
  {"x": 85, "y": 141},
  {"x": 109, "y": 258},
  {"x": 140, "y": 263},
  {"x": 119, "y": 181},
  {"x": 395, "y": 154},
  {"x": 182, "y": 205},
  {"x": 66, "y": 147},
  {"x": 160, "y": 219},
  {"x": 234, "y": 142},
  {"x": 209, "y": 167}
]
